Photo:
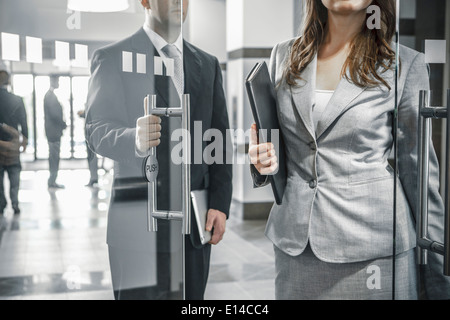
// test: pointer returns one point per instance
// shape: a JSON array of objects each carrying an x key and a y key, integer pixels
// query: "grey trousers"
[
  {"x": 14, "y": 184},
  {"x": 54, "y": 148},
  {"x": 305, "y": 277}
]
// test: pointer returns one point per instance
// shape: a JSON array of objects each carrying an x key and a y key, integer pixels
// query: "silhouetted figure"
[
  {"x": 13, "y": 114},
  {"x": 54, "y": 127}
]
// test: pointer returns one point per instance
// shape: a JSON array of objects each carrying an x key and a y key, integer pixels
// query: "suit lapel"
[
  {"x": 192, "y": 68},
  {"x": 192, "y": 74},
  {"x": 302, "y": 95},
  {"x": 345, "y": 93}
]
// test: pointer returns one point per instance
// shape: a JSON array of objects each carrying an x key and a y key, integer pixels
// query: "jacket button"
[
  {"x": 313, "y": 146},
  {"x": 313, "y": 184}
]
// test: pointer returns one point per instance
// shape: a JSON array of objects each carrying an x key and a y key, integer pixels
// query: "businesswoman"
[{"x": 333, "y": 232}]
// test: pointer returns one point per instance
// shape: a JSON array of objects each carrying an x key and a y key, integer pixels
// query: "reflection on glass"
[
  {"x": 62, "y": 54},
  {"x": 34, "y": 50},
  {"x": 10, "y": 47},
  {"x": 419, "y": 153}
]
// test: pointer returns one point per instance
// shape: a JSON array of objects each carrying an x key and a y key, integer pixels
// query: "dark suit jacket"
[
  {"x": 54, "y": 120},
  {"x": 115, "y": 102},
  {"x": 12, "y": 112}
]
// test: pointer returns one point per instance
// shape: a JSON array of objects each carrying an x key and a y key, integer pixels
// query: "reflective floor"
[{"x": 56, "y": 248}]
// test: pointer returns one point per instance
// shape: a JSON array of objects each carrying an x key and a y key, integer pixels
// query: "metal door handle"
[
  {"x": 151, "y": 167},
  {"x": 426, "y": 112}
]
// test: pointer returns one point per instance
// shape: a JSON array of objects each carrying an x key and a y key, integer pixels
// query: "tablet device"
[
  {"x": 200, "y": 205},
  {"x": 263, "y": 102}
]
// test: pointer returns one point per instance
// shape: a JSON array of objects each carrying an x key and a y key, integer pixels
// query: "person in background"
[
  {"x": 12, "y": 114},
  {"x": 54, "y": 127}
]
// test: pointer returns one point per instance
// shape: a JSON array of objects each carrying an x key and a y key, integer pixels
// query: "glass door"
[
  {"x": 422, "y": 151},
  {"x": 135, "y": 84}
]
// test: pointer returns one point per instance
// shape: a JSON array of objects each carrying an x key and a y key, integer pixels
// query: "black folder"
[{"x": 263, "y": 102}]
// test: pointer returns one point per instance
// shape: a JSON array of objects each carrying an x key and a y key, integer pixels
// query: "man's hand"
[
  {"x": 148, "y": 132},
  {"x": 216, "y": 220},
  {"x": 24, "y": 144},
  {"x": 10, "y": 150}
]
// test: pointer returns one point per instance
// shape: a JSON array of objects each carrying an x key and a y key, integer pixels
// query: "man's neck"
[{"x": 168, "y": 33}]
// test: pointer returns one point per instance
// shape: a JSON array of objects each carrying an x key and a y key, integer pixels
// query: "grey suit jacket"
[{"x": 340, "y": 186}]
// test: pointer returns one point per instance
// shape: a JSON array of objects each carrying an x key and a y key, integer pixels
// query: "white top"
[{"x": 321, "y": 101}]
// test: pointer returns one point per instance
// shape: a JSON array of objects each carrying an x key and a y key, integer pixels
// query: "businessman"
[
  {"x": 54, "y": 127},
  {"x": 118, "y": 129},
  {"x": 13, "y": 114}
]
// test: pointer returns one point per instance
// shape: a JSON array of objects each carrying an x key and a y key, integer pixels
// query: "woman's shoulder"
[
  {"x": 408, "y": 55},
  {"x": 281, "y": 52},
  {"x": 285, "y": 45}
]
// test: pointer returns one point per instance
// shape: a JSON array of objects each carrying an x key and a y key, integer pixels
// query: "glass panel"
[
  {"x": 335, "y": 91},
  {"x": 96, "y": 241},
  {"x": 422, "y": 158},
  {"x": 145, "y": 240},
  {"x": 342, "y": 204}
]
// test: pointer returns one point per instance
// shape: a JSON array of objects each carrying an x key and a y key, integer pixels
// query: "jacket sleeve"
[
  {"x": 220, "y": 175},
  {"x": 417, "y": 78},
  {"x": 20, "y": 115},
  {"x": 260, "y": 180},
  {"x": 23, "y": 118},
  {"x": 107, "y": 131}
]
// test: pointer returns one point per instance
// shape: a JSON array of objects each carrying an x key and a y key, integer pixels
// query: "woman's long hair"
[{"x": 369, "y": 50}]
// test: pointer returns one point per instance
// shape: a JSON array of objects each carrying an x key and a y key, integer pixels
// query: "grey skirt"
[{"x": 305, "y": 277}]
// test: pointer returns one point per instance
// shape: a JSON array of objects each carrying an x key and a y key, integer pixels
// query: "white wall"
[
  {"x": 258, "y": 23},
  {"x": 206, "y": 26},
  {"x": 251, "y": 24}
]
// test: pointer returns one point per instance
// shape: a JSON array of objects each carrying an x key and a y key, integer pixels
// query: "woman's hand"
[{"x": 263, "y": 155}]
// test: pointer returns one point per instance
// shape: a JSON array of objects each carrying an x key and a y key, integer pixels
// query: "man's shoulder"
[
  {"x": 11, "y": 98},
  {"x": 201, "y": 53},
  {"x": 117, "y": 47}
]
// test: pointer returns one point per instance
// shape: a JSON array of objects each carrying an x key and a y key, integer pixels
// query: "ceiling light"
[{"x": 98, "y": 5}]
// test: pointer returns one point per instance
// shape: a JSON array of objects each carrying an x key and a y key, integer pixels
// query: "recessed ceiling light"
[{"x": 98, "y": 5}]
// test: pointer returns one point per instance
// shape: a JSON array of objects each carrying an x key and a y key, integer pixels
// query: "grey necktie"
[{"x": 172, "y": 52}]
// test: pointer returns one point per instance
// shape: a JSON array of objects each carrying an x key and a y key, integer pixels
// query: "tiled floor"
[{"x": 55, "y": 249}]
